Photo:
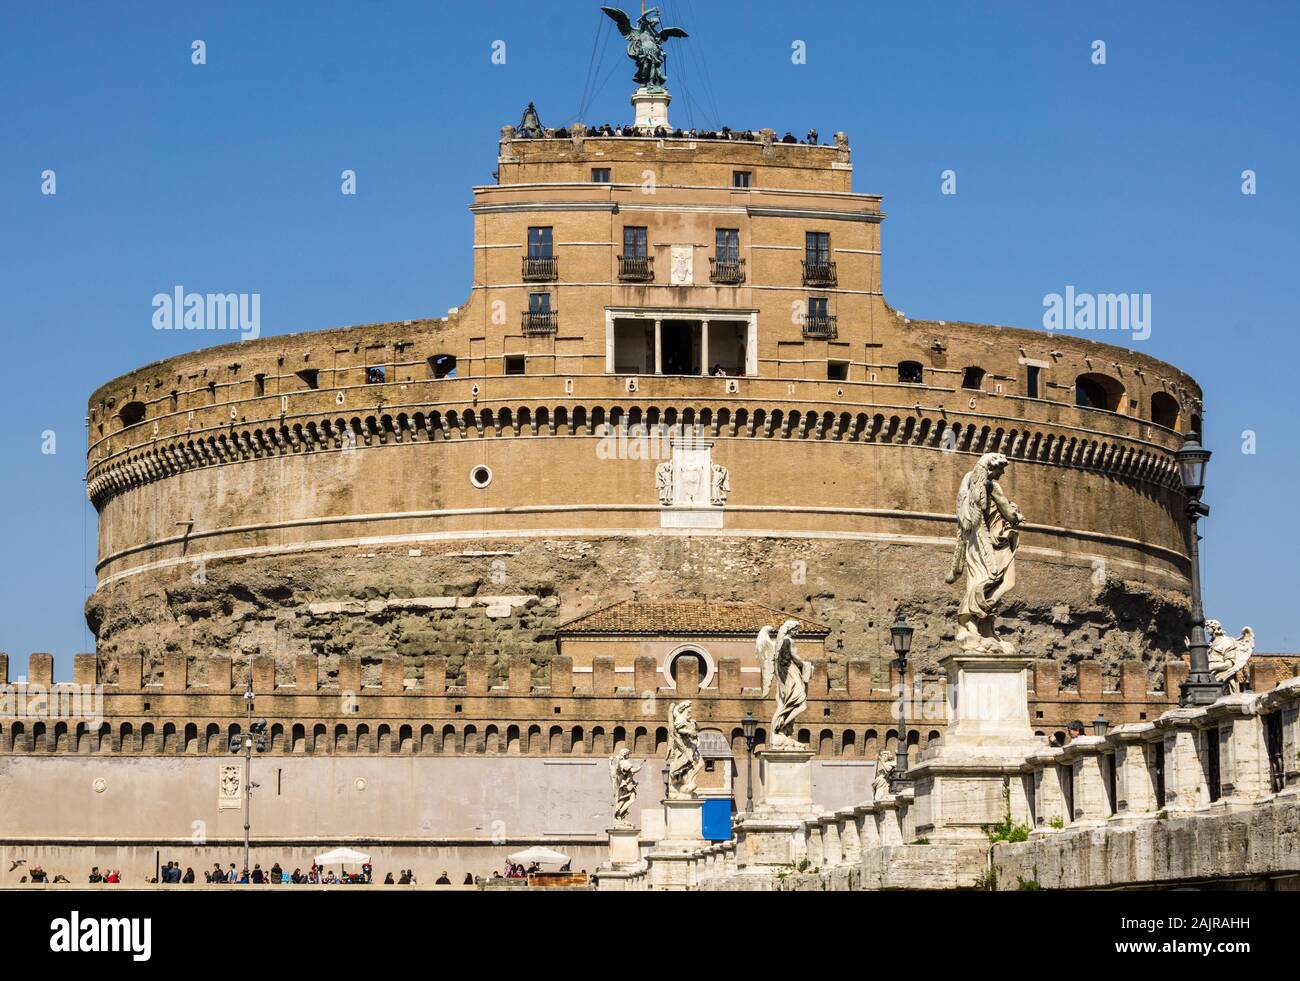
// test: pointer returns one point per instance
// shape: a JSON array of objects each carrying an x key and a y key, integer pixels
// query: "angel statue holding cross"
[{"x": 645, "y": 45}]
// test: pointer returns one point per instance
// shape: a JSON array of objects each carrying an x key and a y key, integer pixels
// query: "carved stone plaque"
[
  {"x": 230, "y": 787},
  {"x": 683, "y": 266}
]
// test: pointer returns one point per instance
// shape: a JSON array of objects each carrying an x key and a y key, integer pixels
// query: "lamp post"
[
  {"x": 254, "y": 735},
  {"x": 1100, "y": 725},
  {"x": 1201, "y": 687},
  {"x": 750, "y": 726},
  {"x": 901, "y": 636}
]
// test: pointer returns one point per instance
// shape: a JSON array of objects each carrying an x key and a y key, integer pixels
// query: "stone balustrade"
[{"x": 1185, "y": 778}]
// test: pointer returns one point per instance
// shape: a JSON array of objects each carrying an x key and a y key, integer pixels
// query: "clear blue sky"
[{"x": 1123, "y": 177}]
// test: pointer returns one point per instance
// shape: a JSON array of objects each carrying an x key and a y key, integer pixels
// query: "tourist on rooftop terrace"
[
  {"x": 1075, "y": 729},
  {"x": 443, "y": 880}
]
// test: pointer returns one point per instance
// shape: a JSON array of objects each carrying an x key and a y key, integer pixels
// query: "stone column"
[
  {"x": 1049, "y": 798},
  {"x": 1243, "y": 757},
  {"x": 659, "y": 347},
  {"x": 868, "y": 829},
  {"x": 1135, "y": 786},
  {"x": 1185, "y": 788},
  {"x": 850, "y": 838},
  {"x": 704, "y": 347},
  {"x": 1091, "y": 797}
]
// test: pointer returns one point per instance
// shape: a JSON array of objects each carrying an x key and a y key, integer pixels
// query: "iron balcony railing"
[
  {"x": 637, "y": 269},
  {"x": 541, "y": 268},
  {"x": 819, "y": 272},
  {"x": 540, "y": 321},
  {"x": 729, "y": 272},
  {"x": 824, "y": 326}
]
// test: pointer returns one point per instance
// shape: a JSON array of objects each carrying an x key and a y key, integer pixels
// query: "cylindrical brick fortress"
[{"x": 284, "y": 495}]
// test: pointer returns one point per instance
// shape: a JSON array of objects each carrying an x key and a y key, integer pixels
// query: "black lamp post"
[
  {"x": 1201, "y": 687},
  {"x": 901, "y": 635},
  {"x": 750, "y": 727}
]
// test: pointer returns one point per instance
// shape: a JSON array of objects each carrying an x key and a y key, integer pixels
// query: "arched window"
[
  {"x": 442, "y": 366},
  {"x": 910, "y": 372},
  {"x": 1164, "y": 410},
  {"x": 1095, "y": 391},
  {"x": 131, "y": 414},
  {"x": 701, "y": 666},
  {"x": 972, "y": 377}
]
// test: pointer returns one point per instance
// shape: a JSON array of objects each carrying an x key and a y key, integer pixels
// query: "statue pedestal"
[
  {"x": 974, "y": 778},
  {"x": 651, "y": 107},
  {"x": 671, "y": 861},
  {"x": 624, "y": 846},
  {"x": 771, "y": 837}
]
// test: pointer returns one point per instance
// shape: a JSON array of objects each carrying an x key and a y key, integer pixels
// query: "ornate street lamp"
[
  {"x": 901, "y": 635},
  {"x": 1100, "y": 726},
  {"x": 1201, "y": 687},
  {"x": 750, "y": 726}
]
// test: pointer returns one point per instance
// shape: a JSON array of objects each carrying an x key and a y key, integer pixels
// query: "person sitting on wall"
[
  {"x": 95, "y": 876},
  {"x": 443, "y": 880},
  {"x": 1074, "y": 729}
]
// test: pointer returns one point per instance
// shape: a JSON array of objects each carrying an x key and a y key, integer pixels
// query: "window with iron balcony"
[
  {"x": 819, "y": 321},
  {"x": 636, "y": 265},
  {"x": 727, "y": 267},
  {"x": 540, "y": 317},
  {"x": 540, "y": 264},
  {"x": 818, "y": 269}
]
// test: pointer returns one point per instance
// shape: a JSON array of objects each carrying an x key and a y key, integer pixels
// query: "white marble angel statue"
[
  {"x": 886, "y": 763},
  {"x": 683, "y": 758},
  {"x": 1229, "y": 655},
  {"x": 780, "y": 660},
  {"x": 987, "y": 539},
  {"x": 622, "y": 774}
]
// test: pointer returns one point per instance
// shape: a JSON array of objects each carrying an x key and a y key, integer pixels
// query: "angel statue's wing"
[
  {"x": 672, "y": 32},
  {"x": 619, "y": 18},
  {"x": 1245, "y": 648},
  {"x": 765, "y": 648}
]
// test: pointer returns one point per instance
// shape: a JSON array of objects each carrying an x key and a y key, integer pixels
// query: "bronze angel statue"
[
  {"x": 645, "y": 45},
  {"x": 987, "y": 538}
]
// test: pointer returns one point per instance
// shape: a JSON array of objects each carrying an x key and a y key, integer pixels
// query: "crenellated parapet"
[{"x": 197, "y": 706}]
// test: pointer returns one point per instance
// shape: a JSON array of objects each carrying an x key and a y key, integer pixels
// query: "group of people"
[
  {"x": 663, "y": 132},
  {"x": 276, "y": 875}
]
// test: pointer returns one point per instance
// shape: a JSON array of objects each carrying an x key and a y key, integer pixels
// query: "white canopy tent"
[
  {"x": 342, "y": 856},
  {"x": 541, "y": 855}
]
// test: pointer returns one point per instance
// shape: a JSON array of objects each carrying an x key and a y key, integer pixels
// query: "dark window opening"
[
  {"x": 1273, "y": 744},
  {"x": 1093, "y": 391},
  {"x": 741, "y": 178},
  {"x": 837, "y": 371},
  {"x": 817, "y": 248},
  {"x": 1112, "y": 782},
  {"x": 540, "y": 241},
  {"x": 700, "y": 666},
  {"x": 728, "y": 243},
  {"x": 132, "y": 413},
  {"x": 1159, "y": 769},
  {"x": 1032, "y": 375},
  {"x": 515, "y": 364},
  {"x": 1067, "y": 791},
  {"x": 310, "y": 377},
  {"x": 539, "y": 303},
  {"x": 635, "y": 242},
  {"x": 973, "y": 378},
  {"x": 259, "y": 385},
  {"x": 442, "y": 366},
  {"x": 1164, "y": 410},
  {"x": 910, "y": 372},
  {"x": 679, "y": 342},
  {"x": 600, "y": 175}
]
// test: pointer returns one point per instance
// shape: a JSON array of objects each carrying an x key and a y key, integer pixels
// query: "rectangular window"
[
  {"x": 741, "y": 178},
  {"x": 817, "y": 248},
  {"x": 376, "y": 375},
  {"x": 600, "y": 175},
  {"x": 1032, "y": 372},
  {"x": 728, "y": 245},
  {"x": 818, "y": 307},
  {"x": 514, "y": 364},
  {"x": 635, "y": 243},
  {"x": 539, "y": 243},
  {"x": 539, "y": 302},
  {"x": 259, "y": 385},
  {"x": 310, "y": 377},
  {"x": 837, "y": 371}
]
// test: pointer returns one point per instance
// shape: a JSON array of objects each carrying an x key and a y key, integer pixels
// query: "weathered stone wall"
[{"x": 507, "y": 598}]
